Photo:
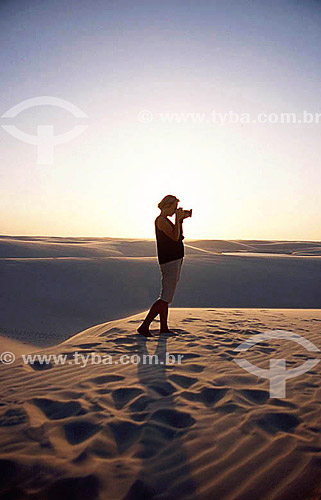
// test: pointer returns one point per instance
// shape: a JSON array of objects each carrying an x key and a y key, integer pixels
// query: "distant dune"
[
  {"x": 54, "y": 287},
  {"x": 45, "y": 246}
]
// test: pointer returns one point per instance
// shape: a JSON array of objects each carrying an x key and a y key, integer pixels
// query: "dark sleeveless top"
[{"x": 168, "y": 249}]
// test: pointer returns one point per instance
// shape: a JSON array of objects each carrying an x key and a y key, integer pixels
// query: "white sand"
[
  {"x": 52, "y": 288},
  {"x": 200, "y": 430}
]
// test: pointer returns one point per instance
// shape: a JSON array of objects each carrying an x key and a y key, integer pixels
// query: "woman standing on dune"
[{"x": 170, "y": 252}]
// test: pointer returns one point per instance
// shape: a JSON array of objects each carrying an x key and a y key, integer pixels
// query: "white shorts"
[{"x": 171, "y": 272}]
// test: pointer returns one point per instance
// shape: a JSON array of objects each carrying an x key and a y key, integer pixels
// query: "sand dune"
[
  {"x": 8, "y": 344},
  {"x": 45, "y": 246},
  {"x": 41, "y": 247},
  {"x": 52, "y": 288},
  {"x": 257, "y": 246},
  {"x": 203, "y": 429}
]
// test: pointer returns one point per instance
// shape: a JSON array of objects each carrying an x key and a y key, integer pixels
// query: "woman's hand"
[{"x": 179, "y": 212}]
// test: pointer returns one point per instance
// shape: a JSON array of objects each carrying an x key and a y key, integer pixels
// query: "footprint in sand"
[
  {"x": 123, "y": 395},
  {"x": 78, "y": 431},
  {"x": 37, "y": 366},
  {"x": 275, "y": 422},
  {"x": 234, "y": 344},
  {"x": 255, "y": 395},
  {"x": 104, "y": 379},
  {"x": 209, "y": 347},
  {"x": 13, "y": 416},
  {"x": 153, "y": 436},
  {"x": 183, "y": 380},
  {"x": 283, "y": 402},
  {"x": 56, "y": 410},
  {"x": 173, "y": 418},
  {"x": 209, "y": 396},
  {"x": 139, "y": 404},
  {"x": 190, "y": 396},
  {"x": 163, "y": 388},
  {"x": 125, "y": 433}
]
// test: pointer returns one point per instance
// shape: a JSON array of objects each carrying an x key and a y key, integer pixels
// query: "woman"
[{"x": 170, "y": 252}]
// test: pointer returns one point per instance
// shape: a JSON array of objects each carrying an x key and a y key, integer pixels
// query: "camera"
[{"x": 187, "y": 213}]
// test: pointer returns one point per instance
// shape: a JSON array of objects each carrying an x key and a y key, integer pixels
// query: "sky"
[{"x": 153, "y": 82}]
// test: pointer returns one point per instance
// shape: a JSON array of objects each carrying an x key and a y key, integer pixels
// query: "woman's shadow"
[{"x": 164, "y": 462}]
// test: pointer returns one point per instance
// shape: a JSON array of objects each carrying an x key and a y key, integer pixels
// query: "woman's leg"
[
  {"x": 156, "y": 308},
  {"x": 163, "y": 319},
  {"x": 170, "y": 276},
  {"x": 171, "y": 287}
]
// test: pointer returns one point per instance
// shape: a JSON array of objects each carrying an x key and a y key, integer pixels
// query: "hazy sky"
[{"x": 115, "y": 59}]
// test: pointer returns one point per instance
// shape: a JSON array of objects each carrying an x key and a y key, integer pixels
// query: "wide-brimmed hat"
[{"x": 167, "y": 200}]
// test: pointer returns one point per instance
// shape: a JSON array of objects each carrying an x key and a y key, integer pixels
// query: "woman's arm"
[
  {"x": 171, "y": 230},
  {"x": 177, "y": 228}
]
